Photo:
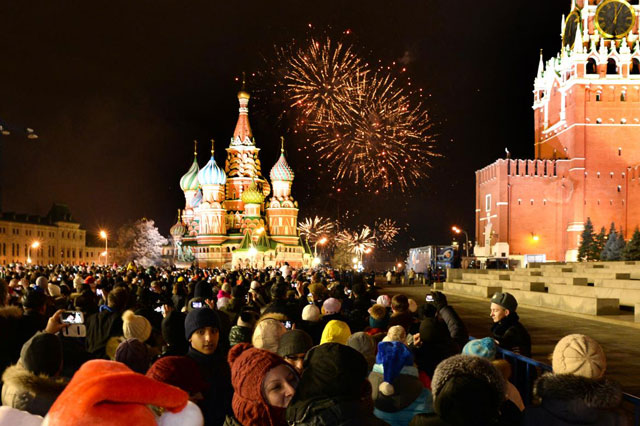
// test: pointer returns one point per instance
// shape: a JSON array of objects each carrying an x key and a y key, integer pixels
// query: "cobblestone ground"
[{"x": 621, "y": 344}]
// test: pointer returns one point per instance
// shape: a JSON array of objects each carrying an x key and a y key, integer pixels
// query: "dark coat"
[
  {"x": 457, "y": 329},
  {"x": 404, "y": 319},
  {"x": 511, "y": 335},
  {"x": 100, "y": 328},
  {"x": 215, "y": 371},
  {"x": 330, "y": 412},
  {"x": 566, "y": 399},
  {"x": 9, "y": 336},
  {"x": 29, "y": 392}
]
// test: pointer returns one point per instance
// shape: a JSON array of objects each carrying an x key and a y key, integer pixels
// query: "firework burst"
[
  {"x": 316, "y": 228},
  {"x": 366, "y": 126},
  {"x": 358, "y": 242},
  {"x": 386, "y": 232}
]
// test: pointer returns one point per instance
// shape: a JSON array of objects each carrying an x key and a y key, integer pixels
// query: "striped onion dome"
[
  {"x": 178, "y": 230},
  {"x": 189, "y": 182},
  {"x": 211, "y": 174},
  {"x": 251, "y": 195},
  {"x": 281, "y": 170}
]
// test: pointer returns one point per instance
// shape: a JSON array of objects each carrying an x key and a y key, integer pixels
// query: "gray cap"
[{"x": 506, "y": 300}]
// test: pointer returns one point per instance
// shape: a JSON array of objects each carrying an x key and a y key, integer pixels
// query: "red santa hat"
[{"x": 105, "y": 393}]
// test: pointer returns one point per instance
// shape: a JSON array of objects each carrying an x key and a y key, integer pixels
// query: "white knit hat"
[
  {"x": 54, "y": 290},
  {"x": 396, "y": 334},
  {"x": 580, "y": 355},
  {"x": 135, "y": 326},
  {"x": 311, "y": 313}
]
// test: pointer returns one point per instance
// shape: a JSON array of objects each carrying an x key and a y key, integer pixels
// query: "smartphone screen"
[
  {"x": 288, "y": 325},
  {"x": 71, "y": 317},
  {"x": 196, "y": 305}
]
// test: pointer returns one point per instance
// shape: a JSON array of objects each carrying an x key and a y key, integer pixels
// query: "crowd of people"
[{"x": 90, "y": 345}]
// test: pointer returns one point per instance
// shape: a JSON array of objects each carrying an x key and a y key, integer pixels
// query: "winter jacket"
[
  {"x": 215, "y": 371},
  {"x": 239, "y": 334},
  {"x": 30, "y": 392},
  {"x": 457, "y": 329},
  {"x": 409, "y": 397},
  {"x": 566, "y": 399},
  {"x": 100, "y": 328},
  {"x": 330, "y": 412},
  {"x": 511, "y": 335},
  {"x": 9, "y": 336}
]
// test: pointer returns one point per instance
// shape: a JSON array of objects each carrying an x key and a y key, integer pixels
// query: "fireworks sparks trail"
[
  {"x": 316, "y": 228},
  {"x": 364, "y": 124},
  {"x": 357, "y": 242},
  {"x": 386, "y": 232}
]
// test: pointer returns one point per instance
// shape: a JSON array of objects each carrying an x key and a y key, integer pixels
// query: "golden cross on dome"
[
  {"x": 282, "y": 144},
  {"x": 212, "y": 143},
  {"x": 195, "y": 147},
  {"x": 243, "y": 81}
]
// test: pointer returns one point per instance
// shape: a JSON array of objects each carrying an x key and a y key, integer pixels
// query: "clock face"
[
  {"x": 571, "y": 27},
  {"x": 615, "y": 18}
]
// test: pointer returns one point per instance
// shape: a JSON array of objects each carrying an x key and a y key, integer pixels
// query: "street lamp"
[
  {"x": 34, "y": 245},
  {"x": 321, "y": 241},
  {"x": 104, "y": 236},
  {"x": 458, "y": 231}
]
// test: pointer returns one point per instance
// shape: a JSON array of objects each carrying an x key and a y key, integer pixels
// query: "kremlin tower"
[
  {"x": 224, "y": 222},
  {"x": 586, "y": 114}
]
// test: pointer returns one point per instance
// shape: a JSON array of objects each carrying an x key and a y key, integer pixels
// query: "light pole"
[
  {"x": 34, "y": 245},
  {"x": 103, "y": 235},
  {"x": 321, "y": 241},
  {"x": 458, "y": 231}
]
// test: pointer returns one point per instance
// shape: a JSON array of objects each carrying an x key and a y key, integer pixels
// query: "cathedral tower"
[{"x": 282, "y": 210}]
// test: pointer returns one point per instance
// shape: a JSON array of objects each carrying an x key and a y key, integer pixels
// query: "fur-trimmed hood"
[
  {"x": 600, "y": 394},
  {"x": 30, "y": 392},
  {"x": 10, "y": 312},
  {"x": 23, "y": 379}
]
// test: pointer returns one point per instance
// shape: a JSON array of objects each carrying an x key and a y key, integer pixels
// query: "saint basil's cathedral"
[
  {"x": 586, "y": 115},
  {"x": 234, "y": 217}
]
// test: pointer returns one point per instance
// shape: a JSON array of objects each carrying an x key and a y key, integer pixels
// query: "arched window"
[
  {"x": 592, "y": 68},
  {"x": 635, "y": 66},
  {"x": 612, "y": 66}
]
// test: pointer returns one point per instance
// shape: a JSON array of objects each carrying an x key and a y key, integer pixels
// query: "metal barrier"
[{"x": 522, "y": 364}]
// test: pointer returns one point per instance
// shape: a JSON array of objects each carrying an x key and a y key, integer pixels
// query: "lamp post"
[
  {"x": 458, "y": 231},
  {"x": 321, "y": 241},
  {"x": 103, "y": 235},
  {"x": 34, "y": 245}
]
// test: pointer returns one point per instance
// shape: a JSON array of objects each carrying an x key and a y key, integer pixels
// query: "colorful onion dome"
[
  {"x": 281, "y": 170},
  {"x": 251, "y": 195},
  {"x": 189, "y": 182},
  {"x": 178, "y": 230},
  {"x": 211, "y": 174},
  {"x": 197, "y": 199}
]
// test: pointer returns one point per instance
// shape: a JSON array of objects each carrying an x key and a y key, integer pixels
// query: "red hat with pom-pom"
[
  {"x": 249, "y": 366},
  {"x": 105, "y": 393}
]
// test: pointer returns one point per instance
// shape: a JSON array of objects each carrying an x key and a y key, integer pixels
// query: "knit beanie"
[
  {"x": 179, "y": 371},
  {"x": 393, "y": 356},
  {"x": 249, "y": 366},
  {"x": 332, "y": 371},
  {"x": 199, "y": 318},
  {"x": 311, "y": 313},
  {"x": 384, "y": 300},
  {"x": 331, "y": 306},
  {"x": 294, "y": 342},
  {"x": 467, "y": 390},
  {"x": 364, "y": 343},
  {"x": 134, "y": 354},
  {"x": 42, "y": 354},
  {"x": 485, "y": 348},
  {"x": 267, "y": 334},
  {"x": 506, "y": 300},
  {"x": 396, "y": 334},
  {"x": 255, "y": 285},
  {"x": 42, "y": 282},
  {"x": 173, "y": 329},
  {"x": 135, "y": 326},
  {"x": 108, "y": 393},
  {"x": 247, "y": 319},
  {"x": 378, "y": 316},
  {"x": 580, "y": 355},
  {"x": 335, "y": 331},
  {"x": 54, "y": 290}
]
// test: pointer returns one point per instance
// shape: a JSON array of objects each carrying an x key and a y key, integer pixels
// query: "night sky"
[{"x": 118, "y": 90}]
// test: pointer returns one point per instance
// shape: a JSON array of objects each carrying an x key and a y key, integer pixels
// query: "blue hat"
[
  {"x": 393, "y": 356},
  {"x": 485, "y": 348}
]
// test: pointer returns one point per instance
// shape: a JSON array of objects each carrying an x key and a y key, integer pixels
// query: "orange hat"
[{"x": 105, "y": 393}]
